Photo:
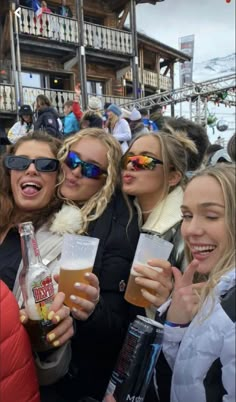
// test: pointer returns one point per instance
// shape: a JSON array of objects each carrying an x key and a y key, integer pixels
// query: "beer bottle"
[{"x": 37, "y": 289}]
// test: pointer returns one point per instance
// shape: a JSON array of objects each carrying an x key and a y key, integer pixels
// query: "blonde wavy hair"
[
  {"x": 93, "y": 208},
  {"x": 225, "y": 175}
]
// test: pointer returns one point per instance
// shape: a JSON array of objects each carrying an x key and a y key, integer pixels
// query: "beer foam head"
[{"x": 81, "y": 263}]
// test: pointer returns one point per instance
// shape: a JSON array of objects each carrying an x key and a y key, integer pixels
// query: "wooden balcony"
[
  {"x": 150, "y": 78},
  {"x": 57, "y": 98},
  {"x": 65, "y": 30}
]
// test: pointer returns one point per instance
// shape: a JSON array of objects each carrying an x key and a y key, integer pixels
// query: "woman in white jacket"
[
  {"x": 23, "y": 126},
  {"x": 118, "y": 126},
  {"x": 199, "y": 336}
]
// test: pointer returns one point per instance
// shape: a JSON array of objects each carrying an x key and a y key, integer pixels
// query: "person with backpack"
[{"x": 47, "y": 117}]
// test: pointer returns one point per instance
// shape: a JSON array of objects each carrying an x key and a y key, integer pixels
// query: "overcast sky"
[{"x": 211, "y": 21}]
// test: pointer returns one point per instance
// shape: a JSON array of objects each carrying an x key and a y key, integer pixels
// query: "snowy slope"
[
  {"x": 214, "y": 68},
  {"x": 208, "y": 70}
]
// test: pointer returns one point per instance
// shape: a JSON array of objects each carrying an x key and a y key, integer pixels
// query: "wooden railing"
[
  {"x": 7, "y": 98},
  {"x": 151, "y": 79},
  {"x": 62, "y": 29},
  {"x": 57, "y": 98}
]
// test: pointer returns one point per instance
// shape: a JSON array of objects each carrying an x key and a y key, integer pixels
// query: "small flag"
[{"x": 37, "y": 8}]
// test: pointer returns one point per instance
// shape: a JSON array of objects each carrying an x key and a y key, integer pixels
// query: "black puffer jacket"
[
  {"x": 98, "y": 341},
  {"x": 48, "y": 121}
]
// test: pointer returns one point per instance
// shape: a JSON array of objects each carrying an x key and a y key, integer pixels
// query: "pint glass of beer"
[
  {"x": 77, "y": 258},
  {"x": 149, "y": 246}
]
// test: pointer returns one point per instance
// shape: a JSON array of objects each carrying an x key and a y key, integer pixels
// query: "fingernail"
[
  {"x": 56, "y": 343},
  {"x": 72, "y": 297},
  {"x": 51, "y": 337},
  {"x": 50, "y": 315},
  {"x": 74, "y": 309},
  {"x": 58, "y": 319},
  {"x": 87, "y": 275},
  {"x": 77, "y": 285},
  {"x": 22, "y": 318}
]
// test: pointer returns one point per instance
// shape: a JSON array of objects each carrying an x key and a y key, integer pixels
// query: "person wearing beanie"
[
  {"x": 23, "y": 126},
  {"x": 94, "y": 104},
  {"x": 118, "y": 126},
  {"x": 136, "y": 124}
]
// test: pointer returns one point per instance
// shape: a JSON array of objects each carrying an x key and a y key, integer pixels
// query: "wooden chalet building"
[{"x": 50, "y": 53}]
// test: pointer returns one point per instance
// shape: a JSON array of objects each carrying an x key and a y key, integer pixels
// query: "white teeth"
[
  {"x": 203, "y": 248},
  {"x": 31, "y": 184}
]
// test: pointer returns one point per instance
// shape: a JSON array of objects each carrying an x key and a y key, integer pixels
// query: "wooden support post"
[
  {"x": 81, "y": 53},
  {"x": 135, "y": 48}
]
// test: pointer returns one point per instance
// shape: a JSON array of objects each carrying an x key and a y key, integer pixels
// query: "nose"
[
  {"x": 194, "y": 227},
  {"x": 130, "y": 166},
  {"x": 77, "y": 172},
  {"x": 31, "y": 170}
]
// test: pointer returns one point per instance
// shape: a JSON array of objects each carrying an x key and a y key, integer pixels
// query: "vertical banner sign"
[{"x": 186, "y": 45}]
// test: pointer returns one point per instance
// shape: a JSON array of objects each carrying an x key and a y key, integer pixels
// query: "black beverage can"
[{"x": 137, "y": 360}]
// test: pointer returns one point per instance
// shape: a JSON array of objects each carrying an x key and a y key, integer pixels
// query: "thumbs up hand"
[{"x": 185, "y": 298}]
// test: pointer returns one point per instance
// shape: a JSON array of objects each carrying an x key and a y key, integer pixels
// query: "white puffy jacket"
[{"x": 203, "y": 363}]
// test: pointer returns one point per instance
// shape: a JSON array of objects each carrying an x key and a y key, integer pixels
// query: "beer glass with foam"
[
  {"x": 149, "y": 246},
  {"x": 77, "y": 258}
]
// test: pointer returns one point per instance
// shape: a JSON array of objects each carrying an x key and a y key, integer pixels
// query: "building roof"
[
  {"x": 165, "y": 50},
  {"x": 118, "y": 5}
]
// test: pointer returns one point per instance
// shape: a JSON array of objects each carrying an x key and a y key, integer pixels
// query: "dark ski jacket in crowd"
[{"x": 48, "y": 121}]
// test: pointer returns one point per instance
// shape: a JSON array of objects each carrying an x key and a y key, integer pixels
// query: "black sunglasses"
[
  {"x": 46, "y": 165},
  {"x": 88, "y": 169}
]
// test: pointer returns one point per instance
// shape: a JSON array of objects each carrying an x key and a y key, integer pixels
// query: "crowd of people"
[{"x": 120, "y": 173}]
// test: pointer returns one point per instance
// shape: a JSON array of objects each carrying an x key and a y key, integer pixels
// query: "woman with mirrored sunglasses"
[
  {"x": 91, "y": 176},
  {"x": 153, "y": 171},
  {"x": 29, "y": 177}
]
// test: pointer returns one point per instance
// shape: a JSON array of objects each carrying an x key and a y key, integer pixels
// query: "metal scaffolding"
[{"x": 197, "y": 94}]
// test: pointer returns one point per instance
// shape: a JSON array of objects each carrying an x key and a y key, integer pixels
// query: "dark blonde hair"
[
  {"x": 174, "y": 147},
  {"x": 95, "y": 206},
  {"x": 8, "y": 214},
  {"x": 225, "y": 175}
]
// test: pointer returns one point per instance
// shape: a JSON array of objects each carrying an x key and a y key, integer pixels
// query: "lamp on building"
[{"x": 124, "y": 82}]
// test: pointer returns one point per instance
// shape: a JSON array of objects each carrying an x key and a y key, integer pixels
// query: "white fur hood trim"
[{"x": 67, "y": 220}]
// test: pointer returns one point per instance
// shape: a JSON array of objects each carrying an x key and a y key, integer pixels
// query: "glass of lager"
[
  {"x": 149, "y": 246},
  {"x": 77, "y": 258}
]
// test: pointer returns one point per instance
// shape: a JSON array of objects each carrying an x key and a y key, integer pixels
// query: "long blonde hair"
[
  {"x": 224, "y": 174},
  {"x": 95, "y": 206}
]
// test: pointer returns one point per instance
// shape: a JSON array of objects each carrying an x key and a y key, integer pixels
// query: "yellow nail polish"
[
  {"x": 22, "y": 318},
  {"x": 56, "y": 343},
  {"x": 50, "y": 315},
  {"x": 57, "y": 318},
  {"x": 51, "y": 337}
]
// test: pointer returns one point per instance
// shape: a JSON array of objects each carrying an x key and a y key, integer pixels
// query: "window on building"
[
  {"x": 46, "y": 80},
  {"x": 32, "y": 80},
  {"x": 95, "y": 87}
]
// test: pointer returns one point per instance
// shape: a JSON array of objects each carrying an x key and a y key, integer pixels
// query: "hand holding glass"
[
  {"x": 149, "y": 246},
  {"x": 77, "y": 258}
]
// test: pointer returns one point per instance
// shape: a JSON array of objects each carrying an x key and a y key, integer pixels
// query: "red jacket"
[{"x": 18, "y": 381}]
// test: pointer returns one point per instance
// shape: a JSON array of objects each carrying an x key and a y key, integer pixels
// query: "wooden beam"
[
  {"x": 167, "y": 69},
  {"x": 122, "y": 19}
]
